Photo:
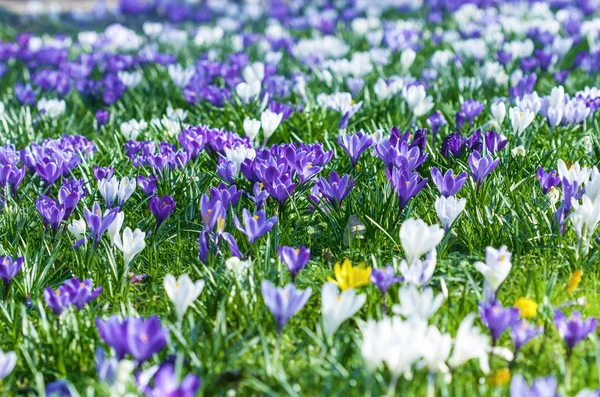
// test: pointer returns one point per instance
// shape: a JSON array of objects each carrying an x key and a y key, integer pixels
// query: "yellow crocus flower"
[
  {"x": 527, "y": 306},
  {"x": 500, "y": 377},
  {"x": 348, "y": 276},
  {"x": 574, "y": 281}
]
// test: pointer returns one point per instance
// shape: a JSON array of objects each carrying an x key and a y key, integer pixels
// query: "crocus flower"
[
  {"x": 448, "y": 209},
  {"x": 338, "y": 307},
  {"x": 547, "y": 180},
  {"x": 97, "y": 222},
  {"x": 161, "y": 208},
  {"x": 453, "y": 144},
  {"x": 182, "y": 292},
  {"x": 494, "y": 142},
  {"x": 147, "y": 184},
  {"x": 522, "y": 332},
  {"x": 283, "y": 302},
  {"x": 336, "y": 189},
  {"x": 496, "y": 267},
  {"x": 103, "y": 172},
  {"x": 527, "y": 307},
  {"x": 9, "y": 268},
  {"x": 131, "y": 244},
  {"x": 73, "y": 292},
  {"x": 7, "y": 363},
  {"x": 384, "y": 278},
  {"x": 101, "y": 117},
  {"x": 255, "y": 226},
  {"x": 355, "y": 145},
  {"x": 294, "y": 258},
  {"x": 141, "y": 338},
  {"x": 471, "y": 108},
  {"x": 419, "y": 272},
  {"x": 497, "y": 319},
  {"x": 573, "y": 330},
  {"x": 415, "y": 304},
  {"x": 51, "y": 212},
  {"x": 436, "y": 121},
  {"x": 448, "y": 184},
  {"x": 348, "y": 276},
  {"x": 167, "y": 383},
  {"x": 407, "y": 184},
  {"x": 58, "y": 388},
  {"x": 481, "y": 166},
  {"x": 418, "y": 238},
  {"x": 541, "y": 387}
]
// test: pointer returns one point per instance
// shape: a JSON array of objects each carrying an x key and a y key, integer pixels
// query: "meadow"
[{"x": 301, "y": 198}]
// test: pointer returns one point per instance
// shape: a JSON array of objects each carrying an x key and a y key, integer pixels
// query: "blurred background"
[{"x": 51, "y": 6}]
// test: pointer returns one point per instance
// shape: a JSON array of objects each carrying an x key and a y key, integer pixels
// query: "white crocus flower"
[
  {"x": 254, "y": 72},
  {"x": 248, "y": 91},
  {"x": 126, "y": 189},
  {"x": 520, "y": 119},
  {"x": 238, "y": 155},
  {"x": 130, "y": 244},
  {"x": 270, "y": 121},
  {"x": 470, "y": 343},
  {"x": 78, "y": 228},
  {"x": 130, "y": 79},
  {"x": 417, "y": 99},
  {"x": 181, "y": 76},
  {"x": 418, "y": 238},
  {"x": 114, "y": 228},
  {"x": 419, "y": 272},
  {"x": 51, "y": 108},
  {"x": 338, "y": 307},
  {"x": 407, "y": 58},
  {"x": 518, "y": 151},
  {"x": 499, "y": 112},
  {"x": 496, "y": 267},
  {"x": 131, "y": 129},
  {"x": 251, "y": 127},
  {"x": 182, "y": 292},
  {"x": 109, "y": 189},
  {"x": 436, "y": 349},
  {"x": 448, "y": 209},
  {"x": 238, "y": 267},
  {"x": 586, "y": 214},
  {"x": 8, "y": 361},
  {"x": 415, "y": 304},
  {"x": 574, "y": 173}
]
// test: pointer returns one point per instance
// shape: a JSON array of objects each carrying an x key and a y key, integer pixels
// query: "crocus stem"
[
  {"x": 6, "y": 290},
  {"x": 431, "y": 385},
  {"x": 392, "y": 389},
  {"x": 568, "y": 370},
  {"x": 276, "y": 353}
]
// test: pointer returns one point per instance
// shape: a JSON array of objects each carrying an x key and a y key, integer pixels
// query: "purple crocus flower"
[
  {"x": 541, "y": 387},
  {"x": 167, "y": 383},
  {"x": 73, "y": 292},
  {"x": 211, "y": 211},
  {"x": 522, "y": 332},
  {"x": 355, "y": 145},
  {"x": 497, "y": 319},
  {"x": 101, "y": 117},
  {"x": 259, "y": 195},
  {"x": 471, "y": 109},
  {"x": 161, "y": 208},
  {"x": 459, "y": 118},
  {"x": 436, "y": 121},
  {"x": 103, "y": 172},
  {"x": 284, "y": 302},
  {"x": 453, "y": 144},
  {"x": 97, "y": 222},
  {"x": 294, "y": 258},
  {"x": 547, "y": 180},
  {"x": 141, "y": 338},
  {"x": 336, "y": 189},
  {"x": 494, "y": 142},
  {"x": 574, "y": 329},
  {"x": 255, "y": 226},
  {"x": 51, "y": 212},
  {"x": 58, "y": 388},
  {"x": 9, "y": 268},
  {"x": 448, "y": 184},
  {"x": 407, "y": 184},
  {"x": 49, "y": 170},
  {"x": 384, "y": 278},
  {"x": 147, "y": 185},
  {"x": 481, "y": 166},
  {"x": 11, "y": 175},
  {"x": 25, "y": 94}
]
